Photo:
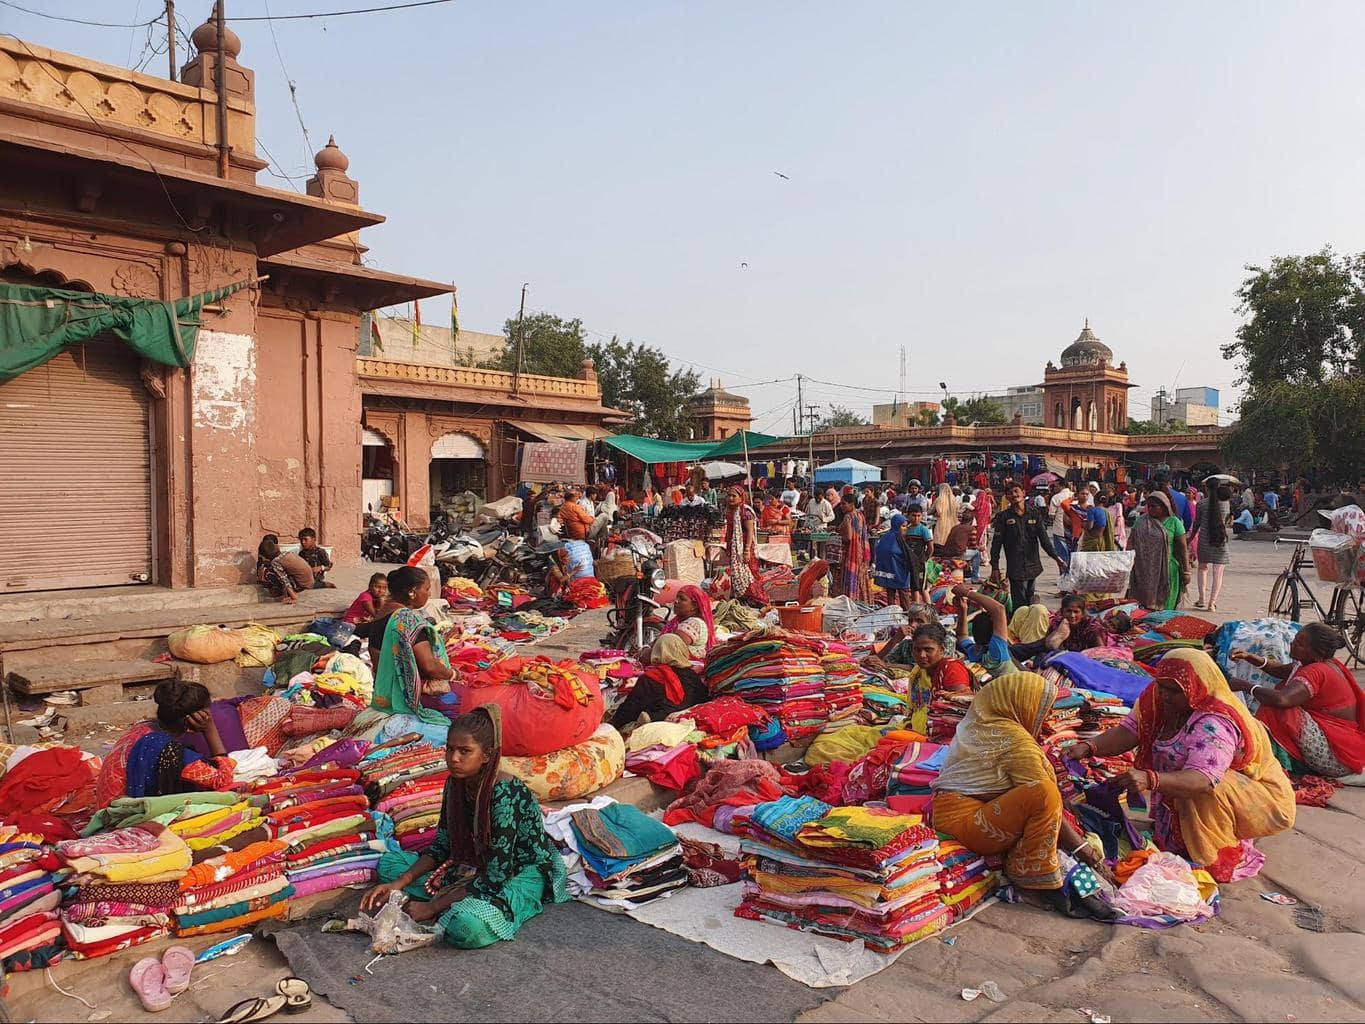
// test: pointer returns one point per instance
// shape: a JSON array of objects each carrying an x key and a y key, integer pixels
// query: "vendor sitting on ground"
[
  {"x": 1208, "y": 769},
  {"x": 997, "y": 794},
  {"x": 934, "y": 672},
  {"x": 318, "y": 560},
  {"x": 1316, "y": 719},
  {"x": 147, "y": 760},
  {"x": 897, "y": 649},
  {"x": 364, "y": 608},
  {"x": 989, "y": 628},
  {"x": 669, "y": 683},
  {"x": 413, "y": 674},
  {"x": 961, "y": 542},
  {"x": 1070, "y": 629},
  {"x": 692, "y": 622},
  {"x": 284, "y": 576},
  {"x": 491, "y": 867}
]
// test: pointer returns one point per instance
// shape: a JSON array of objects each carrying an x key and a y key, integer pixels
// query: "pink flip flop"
[
  {"x": 177, "y": 963},
  {"x": 148, "y": 980}
]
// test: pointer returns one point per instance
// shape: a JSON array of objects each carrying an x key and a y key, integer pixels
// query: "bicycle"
[{"x": 1291, "y": 595}]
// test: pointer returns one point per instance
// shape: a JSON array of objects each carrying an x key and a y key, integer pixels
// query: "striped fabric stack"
[{"x": 406, "y": 783}]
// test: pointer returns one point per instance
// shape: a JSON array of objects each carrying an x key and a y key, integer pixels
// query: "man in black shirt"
[{"x": 1020, "y": 531}]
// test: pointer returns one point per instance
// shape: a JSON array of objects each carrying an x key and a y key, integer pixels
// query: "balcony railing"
[{"x": 469, "y": 377}]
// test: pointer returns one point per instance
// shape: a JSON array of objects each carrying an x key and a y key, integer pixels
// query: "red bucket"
[{"x": 806, "y": 619}]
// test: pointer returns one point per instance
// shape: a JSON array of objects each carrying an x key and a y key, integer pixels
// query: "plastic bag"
[
  {"x": 1165, "y": 885},
  {"x": 1098, "y": 572},
  {"x": 258, "y": 646},
  {"x": 1334, "y": 555},
  {"x": 392, "y": 930},
  {"x": 205, "y": 645},
  {"x": 1349, "y": 520}
]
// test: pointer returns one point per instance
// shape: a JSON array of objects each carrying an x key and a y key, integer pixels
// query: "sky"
[{"x": 969, "y": 181}]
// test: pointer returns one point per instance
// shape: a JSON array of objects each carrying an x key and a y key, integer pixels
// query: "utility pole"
[
  {"x": 170, "y": 35},
  {"x": 220, "y": 84},
  {"x": 811, "y": 411},
  {"x": 800, "y": 409},
  {"x": 1161, "y": 406},
  {"x": 516, "y": 365}
]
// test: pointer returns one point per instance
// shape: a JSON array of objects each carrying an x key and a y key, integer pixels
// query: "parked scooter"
[
  {"x": 637, "y": 618},
  {"x": 384, "y": 540}
]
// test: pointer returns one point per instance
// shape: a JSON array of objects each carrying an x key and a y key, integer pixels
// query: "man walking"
[{"x": 1019, "y": 531}]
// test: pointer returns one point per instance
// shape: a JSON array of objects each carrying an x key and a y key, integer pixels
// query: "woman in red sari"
[
  {"x": 776, "y": 519},
  {"x": 740, "y": 538},
  {"x": 852, "y": 579},
  {"x": 1317, "y": 716}
]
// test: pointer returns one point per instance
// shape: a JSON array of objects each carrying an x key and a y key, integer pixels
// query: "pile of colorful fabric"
[
  {"x": 843, "y": 685},
  {"x": 729, "y": 728},
  {"x": 510, "y": 597},
  {"x": 964, "y": 881},
  {"x": 470, "y": 654},
  {"x": 405, "y": 782},
  {"x": 628, "y": 857},
  {"x": 57, "y": 781},
  {"x": 777, "y": 670},
  {"x": 527, "y": 627},
  {"x": 851, "y": 872},
  {"x": 587, "y": 592},
  {"x": 464, "y": 595},
  {"x": 884, "y": 697},
  {"x": 946, "y": 711},
  {"x": 31, "y": 875},
  {"x": 725, "y": 788},
  {"x": 918, "y": 765},
  {"x": 127, "y": 882},
  {"x": 616, "y": 672}
]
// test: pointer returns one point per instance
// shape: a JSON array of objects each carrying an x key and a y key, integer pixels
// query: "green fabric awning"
[
  {"x": 649, "y": 449},
  {"x": 37, "y": 323}
]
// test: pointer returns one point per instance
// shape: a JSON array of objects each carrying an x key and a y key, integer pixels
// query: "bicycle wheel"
[
  {"x": 1284, "y": 597},
  {"x": 1353, "y": 628}
]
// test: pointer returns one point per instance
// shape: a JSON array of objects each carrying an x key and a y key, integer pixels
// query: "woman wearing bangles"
[
  {"x": 1207, "y": 767},
  {"x": 1316, "y": 718}
]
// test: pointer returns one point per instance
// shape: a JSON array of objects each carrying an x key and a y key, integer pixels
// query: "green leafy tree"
[
  {"x": 639, "y": 379},
  {"x": 838, "y": 416},
  {"x": 929, "y": 418},
  {"x": 979, "y": 411},
  {"x": 1301, "y": 350},
  {"x": 551, "y": 345},
  {"x": 1142, "y": 427}
]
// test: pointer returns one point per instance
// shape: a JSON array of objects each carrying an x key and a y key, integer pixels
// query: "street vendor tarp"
[
  {"x": 37, "y": 323},
  {"x": 651, "y": 449},
  {"x": 848, "y": 470}
]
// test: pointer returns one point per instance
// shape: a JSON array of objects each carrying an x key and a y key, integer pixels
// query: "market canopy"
[
  {"x": 36, "y": 323},
  {"x": 651, "y": 449}
]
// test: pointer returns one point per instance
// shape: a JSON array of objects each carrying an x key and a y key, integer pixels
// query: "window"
[{"x": 1029, "y": 409}]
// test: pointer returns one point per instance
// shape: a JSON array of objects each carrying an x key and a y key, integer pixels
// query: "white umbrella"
[
  {"x": 1222, "y": 478},
  {"x": 722, "y": 470}
]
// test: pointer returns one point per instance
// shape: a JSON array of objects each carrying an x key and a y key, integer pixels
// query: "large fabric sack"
[
  {"x": 206, "y": 645},
  {"x": 1098, "y": 572},
  {"x": 574, "y": 771},
  {"x": 546, "y": 706},
  {"x": 258, "y": 646}
]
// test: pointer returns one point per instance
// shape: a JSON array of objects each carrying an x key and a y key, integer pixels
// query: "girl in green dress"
[
  {"x": 491, "y": 867},
  {"x": 413, "y": 674}
]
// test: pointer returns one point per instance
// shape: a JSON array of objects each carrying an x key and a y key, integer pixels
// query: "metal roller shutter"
[{"x": 75, "y": 472}]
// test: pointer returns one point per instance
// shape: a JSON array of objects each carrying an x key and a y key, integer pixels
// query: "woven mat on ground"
[{"x": 572, "y": 963}]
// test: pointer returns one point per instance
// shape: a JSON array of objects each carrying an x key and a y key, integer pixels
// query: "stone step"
[
  {"x": 87, "y": 675},
  {"x": 61, "y": 604}
]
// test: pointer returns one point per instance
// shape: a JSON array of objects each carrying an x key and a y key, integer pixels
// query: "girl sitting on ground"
[
  {"x": 364, "y": 607},
  {"x": 413, "y": 674},
  {"x": 491, "y": 867},
  {"x": 148, "y": 760}
]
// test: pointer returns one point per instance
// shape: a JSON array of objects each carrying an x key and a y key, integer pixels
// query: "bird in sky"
[{"x": 782, "y": 176}]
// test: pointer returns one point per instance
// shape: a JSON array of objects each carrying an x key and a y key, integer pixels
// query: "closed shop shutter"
[
  {"x": 456, "y": 446},
  {"x": 75, "y": 472}
]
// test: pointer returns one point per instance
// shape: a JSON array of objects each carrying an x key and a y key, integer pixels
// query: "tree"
[
  {"x": 1143, "y": 427},
  {"x": 551, "y": 345},
  {"x": 1301, "y": 349},
  {"x": 929, "y": 418},
  {"x": 838, "y": 416},
  {"x": 979, "y": 411},
  {"x": 639, "y": 380}
]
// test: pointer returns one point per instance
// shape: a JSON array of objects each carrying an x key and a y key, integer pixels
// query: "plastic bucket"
[{"x": 806, "y": 618}]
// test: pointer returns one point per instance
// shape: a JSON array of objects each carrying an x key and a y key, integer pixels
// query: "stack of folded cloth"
[
  {"x": 233, "y": 885},
  {"x": 916, "y": 767},
  {"x": 843, "y": 685},
  {"x": 464, "y": 595},
  {"x": 883, "y": 698},
  {"x": 127, "y": 880},
  {"x": 729, "y": 728},
  {"x": 964, "y": 881},
  {"x": 851, "y": 872},
  {"x": 777, "y": 670},
  {"x": 406, "y": 783},
  {"x": 946, "y": 710},
  {"x": 629, "y": 857},
  {"x": 30, "y": 879}
]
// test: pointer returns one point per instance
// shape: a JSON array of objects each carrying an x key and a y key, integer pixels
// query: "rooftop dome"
[{"x": 1086, "y": 350}]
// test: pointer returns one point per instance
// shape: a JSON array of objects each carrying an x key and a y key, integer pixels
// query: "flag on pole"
[
  {"x": 454, "y": 314},
  {"x": 416, "y": 321},
  {"x": 375, "y": 337}
]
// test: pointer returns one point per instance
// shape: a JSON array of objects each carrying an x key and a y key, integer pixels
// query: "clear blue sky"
[{"x": 969, "y": 181}]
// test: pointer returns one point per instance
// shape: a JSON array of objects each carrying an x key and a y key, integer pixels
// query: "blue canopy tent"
[{"x": 850, "y": 471}]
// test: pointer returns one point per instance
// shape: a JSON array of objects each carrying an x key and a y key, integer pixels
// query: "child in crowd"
[
  {"x": 282, "y": 575},
  {"x": 491, "y": 867},
  {"x": 315, "y": 556},
  {"x": 365, "y": 607}
]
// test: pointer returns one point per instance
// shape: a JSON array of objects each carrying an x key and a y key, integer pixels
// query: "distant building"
[
  {"x": 1025, "y": 401},
  {"x": 432, "y": 346},
  {"x": 901, "y": 414},
  {"x": 1194, "y": 407},
  {"x": 716, "y": 413},
  {"x": 1086, "y": 392}
]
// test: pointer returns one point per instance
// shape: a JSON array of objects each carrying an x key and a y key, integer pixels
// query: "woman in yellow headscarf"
[
  {"x": 997, "y": 793},
  {"x": 1029, "y": 624},
  {"x": 1208, "y": 766}
]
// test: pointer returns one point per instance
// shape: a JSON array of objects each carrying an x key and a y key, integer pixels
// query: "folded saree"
[
  {"x": 232, "y": 924},
  {"x": 227, "y": 912},
  {"x": 219, "y": 868}
]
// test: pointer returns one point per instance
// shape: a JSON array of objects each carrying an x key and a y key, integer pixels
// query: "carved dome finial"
[{"x": 330, "y": 157}]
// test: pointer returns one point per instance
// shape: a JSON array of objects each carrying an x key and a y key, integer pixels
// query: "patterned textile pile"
[
  {"x": 884, "y": 697},
  {"x": 31, "y": 876},
  {"x": 843, "y": 685},
  {"x": 528, "y": 627},
  {"x": 587, "y": 592},
  {"x": 628, "y": 857},
  {"x": 964, "y": 881},
  {"x": 406, "y": 784},
  {"x": 464, "y": 595},
  {"x": 728, "y": 726},
  {"x": 127, "y": 880},
  {"x": 850, "y": 872},
  {"x": 945, "y": 712},
  {"x": 777, "y": 670},
  {"x": 917, "y": 766}
]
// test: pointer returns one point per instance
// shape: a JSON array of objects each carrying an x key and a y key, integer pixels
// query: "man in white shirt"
[
  {"x": 1058, "y": 525},
  {"x": 820, "y": 511},
  {"x": 691, "y": 498},
  {"x": 791, "y": 495}
]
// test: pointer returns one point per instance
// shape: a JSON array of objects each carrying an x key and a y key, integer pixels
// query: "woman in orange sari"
[
  {"x": 776, "y": 519},
  {"x": 853, "y": 580}
]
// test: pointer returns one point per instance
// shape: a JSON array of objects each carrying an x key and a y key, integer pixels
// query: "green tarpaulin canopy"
[
  {"x": 649, "y": 449},
  {"x": 37, "y": 323}
]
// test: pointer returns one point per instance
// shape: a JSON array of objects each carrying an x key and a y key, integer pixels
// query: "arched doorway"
[
  {"x": 457, "y": 465},
  {"x": 376, "y": 469}
]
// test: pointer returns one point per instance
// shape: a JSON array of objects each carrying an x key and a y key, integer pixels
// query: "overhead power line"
[
  {"x": 253, "y": 17},
  {"x": 80, "y": 21}
]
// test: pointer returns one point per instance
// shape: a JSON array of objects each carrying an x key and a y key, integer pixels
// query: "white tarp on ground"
[{"x": 708, "y": 916}]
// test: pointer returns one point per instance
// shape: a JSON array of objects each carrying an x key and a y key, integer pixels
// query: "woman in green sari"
[
  {"x": 1161, "y": 568},
  {"x": 413, "y": 675}
]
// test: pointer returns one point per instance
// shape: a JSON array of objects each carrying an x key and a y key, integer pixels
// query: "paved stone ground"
[{"x": 1256, "y": 962}]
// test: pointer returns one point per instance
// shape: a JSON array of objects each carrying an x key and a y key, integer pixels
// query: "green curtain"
[
  {"x": 37, "y": 323},
  {"x": 735, "y": 445}
]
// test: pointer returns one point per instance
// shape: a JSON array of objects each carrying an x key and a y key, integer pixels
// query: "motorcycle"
[
  {"x": 516, "y": 562},
  {"x": 468, "y": 554},
  {"x": 384, "y": 540},
  {"x": 637, "y": 618}
]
